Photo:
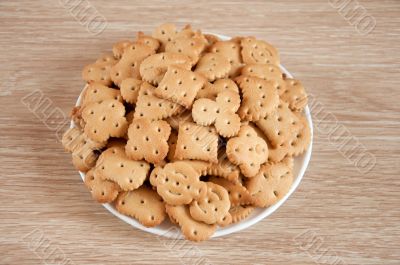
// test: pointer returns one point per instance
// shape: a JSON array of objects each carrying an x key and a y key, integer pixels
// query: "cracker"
[
  {"x": 260, "y": 97},
  {"x": 130, "y": 89},
  {"x": 247, "y": 150},
  {"x": 214, "y": 207},
  {"x": 232, "y": 51},
  {"x": 178, "y": 183},
  {"x": 270, "y": 185},
  {"x": 129, "y": 65},
  {"x": 153, "y": 68},
  {"x": 213, "y": 66},
  {"x": 224, "y": 168},
  {"x": 97, "y": 92},
  {"x": 191, "y": 47},
  {"x": 149, "y": 41},
  {"x": 173, "y": 138},
  {"x": 148, "y": 140},
  {"x": 191, "y": 229},
  {"x": 114, "y": 165},
  {"x": 211, "y": 90},
  {"x": 240, "y": 212},
  {"x": 211, "y": 39},
  {"x": 197, "y": 142},
  {"x": 279, "y": 126},
  {"x": 180, "y": 86},
  {"x": 221, "y": 112},
  {"x": 165, "y": 33},
  {"x": 143, "y": 204},
  {"x": 76, "y": 116},
  {"x": 294, "y": 94},
  {"x": 258, "y": 51},
  {"x": 120, "y": 47},
  {"x": 103, "y": 191},
  {"x": 99, "y": 72},
  {"x": 238, "y": 194},
  {"x": 176, "y": 120},
  {"x": 154, "y": 108},
  {"x": 105, "y": 120},
  {"x": 263, "y": 71}
]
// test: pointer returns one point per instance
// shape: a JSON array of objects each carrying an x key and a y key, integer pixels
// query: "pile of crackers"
[{"x": 185, "y": 126}]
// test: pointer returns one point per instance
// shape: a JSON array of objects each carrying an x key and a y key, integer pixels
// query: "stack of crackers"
[{"x": 182, "y": 125}]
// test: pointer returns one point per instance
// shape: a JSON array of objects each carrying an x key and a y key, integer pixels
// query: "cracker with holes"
[
  {"x": 148, "y": 140},
  {"x": 149, "y": 41},
  {"x": 294, "y": 94},
  {"x": 153, "y": 68},
  {"x": 238, "y": 194},
  {"x": 191, "y": 47},
  {"x": 102, "y": 191},
  {"x": 213, "y": 66},
  {"x": 191, "y": 229},
  {"x": 130, "y": 89},
  {"x": 129, "y": 65},
  {"x": 97, "y": 92},
  {"x": 258, "y": 51},
  {"x": 232, "y": 51},
  {"x": 114, "y": 165},
  {"x": 180, "y": 86},
  {"x": 104, "y": 120},
  {"x": 247, "y": 150},
  {"x": 165, "y": 34},
  {"x": 82, "y": 148},
  {"x": 214, "y": 207},
  {"x": 263, "y": 71},
  {"x": 221, "y": 113},
  {"x": 99, "y": 72},
  {"x": 119, "y": 48},
  {"x": 152, "y": 107},
  {"x": 271, "y": 184},
  {"x": 211, "y": 90},
  {"x": 178, "y": 183},
  {"x": 197, "y": 142},
  {"x": 279, "y": 126},
  {"x": 143, "y": 204},
  {"x": 260, "y": 97},
  {"x": 240, "y": 212}
]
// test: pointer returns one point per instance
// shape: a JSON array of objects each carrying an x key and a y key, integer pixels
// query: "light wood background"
[{"x": 338, "y": 214}]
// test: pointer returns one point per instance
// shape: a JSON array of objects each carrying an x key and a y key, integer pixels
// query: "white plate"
[{"x": 300, "y": 166}]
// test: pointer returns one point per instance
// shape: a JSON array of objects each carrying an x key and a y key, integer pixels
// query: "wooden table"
[{"x": 346, "y": 210}]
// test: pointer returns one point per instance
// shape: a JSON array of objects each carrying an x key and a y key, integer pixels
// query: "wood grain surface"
[{"x": 344, "y": 212}]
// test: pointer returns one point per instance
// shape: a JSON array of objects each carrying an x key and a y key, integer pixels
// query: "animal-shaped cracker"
[
  {"x": 260, "y": 97},
  {"x": 221, "y": 112},
  {"x": 153, "y": 68},
  {"x": 191, "y": 229},
  {"x": 103, "y": 191},
  {"x": 120, "y": 47},
  {"x": 232, "y": 51},
  {"x": 105, "y": 120},
  {"x": 114, "y": 165},
  {"x": 213, "y": 66},
  {"x": 270, "y": 184},
  {"x": 143, "y": 204},
  {"x": 130, "y": 89},
  {"x": 148, "y": 140},
  {"x": 258, "y": 51},
  {"x": 238, "y": 194},
  {"x": 178, "y": 183},
  {"x": 97, "y": 92},
  {"x": 130, "y": 62},
  {"x": 152, "y": 107},
  {"x": 263, "y": 71},
  {"x": 142, "y": 38},
  {"x": 247, "y": 150},
  {"x": 197, "y": 142},
  {"x": 180, "y": 86},
  {"x": 211, "y": 90},
  {"x": 279, "y": 126},
  {"x": 214, "y": 207},
  {"x": 99, "y": 72},
  {"x": 294, "y": 94},
  {"x": 165, "y": 33}
]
